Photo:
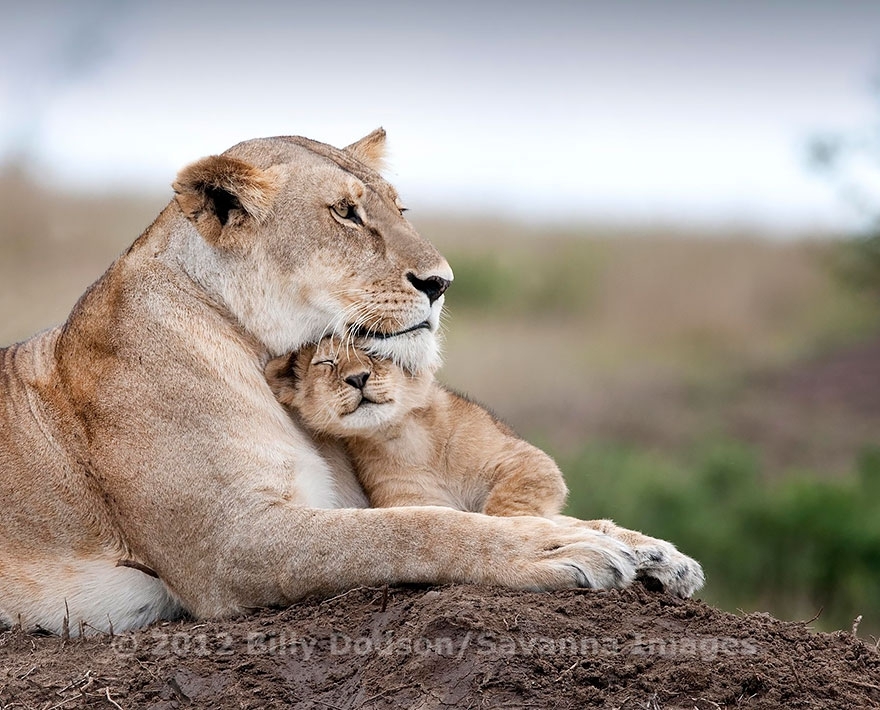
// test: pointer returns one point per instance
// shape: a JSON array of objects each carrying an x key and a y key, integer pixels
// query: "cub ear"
[
  {"x": 218, "y": 193},
  {"x": 282, "y": 377},
  {"x": 370, "y": 149}
]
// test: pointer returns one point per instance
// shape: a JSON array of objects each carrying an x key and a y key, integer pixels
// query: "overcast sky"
[{"x": 557, "y": 110}]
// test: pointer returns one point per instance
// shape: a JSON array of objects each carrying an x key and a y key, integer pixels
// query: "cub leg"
[{"x": 526, "y": 481}]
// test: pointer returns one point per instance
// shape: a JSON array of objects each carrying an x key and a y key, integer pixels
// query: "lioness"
[
  {"x": 412, "y": 441},
  {"x": 147, "y": 469}
]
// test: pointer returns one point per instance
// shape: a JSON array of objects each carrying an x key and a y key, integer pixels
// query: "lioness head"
[
  {"x": 342, "y": 390},
  {"x": 297, "y": 239}
]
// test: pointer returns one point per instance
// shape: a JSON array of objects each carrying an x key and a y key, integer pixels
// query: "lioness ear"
[
  {"x": 370, "y": 149},
  {"x": 218, "y": 193}
]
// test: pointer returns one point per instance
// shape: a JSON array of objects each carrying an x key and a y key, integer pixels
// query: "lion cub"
[{"x": 411, "y": 440}]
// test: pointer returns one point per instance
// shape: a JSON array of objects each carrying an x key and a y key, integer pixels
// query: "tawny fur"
[{"x": 143, "y": 428}]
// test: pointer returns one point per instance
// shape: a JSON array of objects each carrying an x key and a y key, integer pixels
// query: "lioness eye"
[{"x": 346, "y": 211}]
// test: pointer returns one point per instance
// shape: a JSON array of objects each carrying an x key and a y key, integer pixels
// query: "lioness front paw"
[
  {"x": 601, "y": 563},
  {"x": 572, "y": 557},
  {"x": 660, "y": 562}
]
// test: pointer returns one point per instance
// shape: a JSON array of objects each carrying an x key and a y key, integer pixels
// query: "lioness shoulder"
[{"x": 413, "y": 441}]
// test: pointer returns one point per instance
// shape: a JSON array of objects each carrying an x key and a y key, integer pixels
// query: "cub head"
[
  {"x": 296, "y": 239},
  {"x": 343, "y": 391}
]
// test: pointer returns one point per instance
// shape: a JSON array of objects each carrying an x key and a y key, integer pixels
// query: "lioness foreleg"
[{"x": 313, "y": 551}]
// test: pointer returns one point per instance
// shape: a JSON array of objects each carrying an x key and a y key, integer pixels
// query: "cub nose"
[
  {"x": 358, "y": 380},
  {"x": 433, "y": 286}
]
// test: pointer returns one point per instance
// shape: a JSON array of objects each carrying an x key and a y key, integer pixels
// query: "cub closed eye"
[
  {"x": 329, "y": 363},
  {"x": 346, "y": 212}
]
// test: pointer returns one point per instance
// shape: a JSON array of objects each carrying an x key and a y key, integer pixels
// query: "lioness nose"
[
  {"x": 433, "y": 286},
  {"x": 358, "y": 381}
]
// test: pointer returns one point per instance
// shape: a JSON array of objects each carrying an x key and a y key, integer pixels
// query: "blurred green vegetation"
[
  {"x": 506, "y": 282},
  {"x": 792, "y": 545},
  {"x": 859, "y": 261}
]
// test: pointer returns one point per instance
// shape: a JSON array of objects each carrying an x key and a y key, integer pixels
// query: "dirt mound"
[{"x": 455, "y": 646}]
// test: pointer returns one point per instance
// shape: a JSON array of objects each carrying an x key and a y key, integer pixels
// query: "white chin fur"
[
  {"x": 416, "y": 352},
  {"x": 368, "y": 417}
]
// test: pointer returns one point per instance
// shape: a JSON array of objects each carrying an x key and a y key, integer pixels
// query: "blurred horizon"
[{"x": 637, "y": 112}]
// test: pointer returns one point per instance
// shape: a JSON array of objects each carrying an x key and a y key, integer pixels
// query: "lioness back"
[{"x": 413, "y": 441}]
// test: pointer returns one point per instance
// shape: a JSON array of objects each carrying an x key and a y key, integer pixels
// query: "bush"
[
  {"x": 859, "y": 262},
  {"x": 790, "y": 546}
]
